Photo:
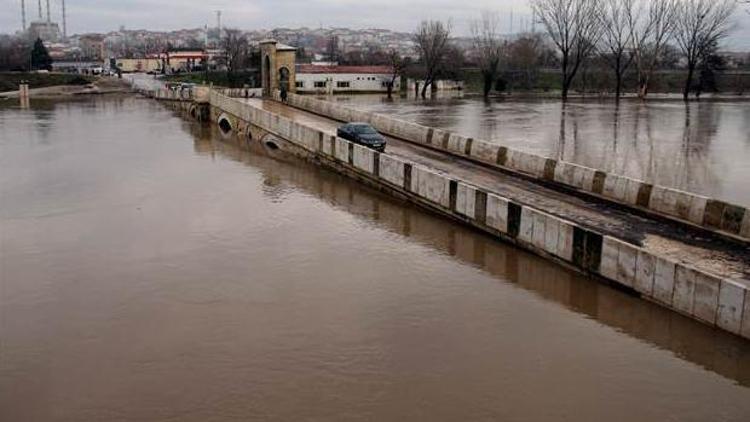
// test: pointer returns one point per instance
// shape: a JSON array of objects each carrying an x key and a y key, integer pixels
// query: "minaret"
[
  {"x": 218, "y": 23},
  {"x": 65, "y": 21},
  {"x": 23, "y": 14},
  {"x": 49, "y": 22},
  {"x": 40, "y": 10}
]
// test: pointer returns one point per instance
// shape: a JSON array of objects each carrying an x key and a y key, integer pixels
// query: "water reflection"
[
  {"x": 702, "y": 147},
  {"x": 713, "y": 350}
]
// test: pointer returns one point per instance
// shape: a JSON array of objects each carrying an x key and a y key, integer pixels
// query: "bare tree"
[
  {"x": 701, "y": 25},
  {"x": 487, "y": 47},
  {"x": 236, "y": 51},
  {"x": 431, "y": 40},
  {"x": 616, "y": 38},
  {"x": 525, "y": 56},
  {"x": 398, "y": 65},
  {"x": 649, "y": 35},
  {"x": 575, "y": 28}
]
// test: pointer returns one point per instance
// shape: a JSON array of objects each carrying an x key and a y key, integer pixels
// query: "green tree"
[{"x": 40, "y": 58}]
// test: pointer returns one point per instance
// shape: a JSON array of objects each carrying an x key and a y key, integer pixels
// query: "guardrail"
[{"x": 709, "y": 213}]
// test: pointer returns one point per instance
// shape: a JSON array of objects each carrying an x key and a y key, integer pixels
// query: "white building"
[{"x": 329, "y": 79}]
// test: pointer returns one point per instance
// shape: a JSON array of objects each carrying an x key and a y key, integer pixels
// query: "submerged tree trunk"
[
  {"x": 688, "y": 82},
  {"x": 488, "y": 80},
  {"x": 427, "y": 84}
]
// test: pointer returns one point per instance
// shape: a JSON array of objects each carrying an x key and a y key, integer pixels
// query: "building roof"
[{"x": 318, "y": 69}]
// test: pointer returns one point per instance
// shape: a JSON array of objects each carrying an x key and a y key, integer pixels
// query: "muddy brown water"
[
  {"x": 701, "y": 147},
  {"x": 152, "y": 269}
]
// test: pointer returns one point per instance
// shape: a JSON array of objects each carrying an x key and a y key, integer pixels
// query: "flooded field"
[
  {"x": 152, "y": 269},
  {"x": 700, "y": 147}
]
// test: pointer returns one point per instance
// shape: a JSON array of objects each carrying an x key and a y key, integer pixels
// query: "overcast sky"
[{"x": 402, "y": 15}]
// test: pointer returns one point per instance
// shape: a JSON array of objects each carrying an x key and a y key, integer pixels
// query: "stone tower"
[{"x": 277, "y": 67}]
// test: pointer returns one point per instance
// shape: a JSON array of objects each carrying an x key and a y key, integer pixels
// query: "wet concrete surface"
[
  {"x": 154, "y": 269},
  {"x": 680, "y": 242}
]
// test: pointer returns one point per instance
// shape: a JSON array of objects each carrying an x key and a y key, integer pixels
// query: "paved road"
[{"x": 677, "y": 241}]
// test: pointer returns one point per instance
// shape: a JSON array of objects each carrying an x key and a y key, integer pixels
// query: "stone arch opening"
[
  {"x": 270, "y": 142},
  {"x": 284, "y": 79},
  {"x": 224, "y": 124}
]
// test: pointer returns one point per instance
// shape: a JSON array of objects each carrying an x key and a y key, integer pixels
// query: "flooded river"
[
  {"x": 700, "y": 147},
  {"x": 153, "y": 270}
]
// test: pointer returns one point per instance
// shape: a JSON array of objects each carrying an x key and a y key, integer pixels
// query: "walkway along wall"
[
  {"x": 717, "y": 302},
  {"x": 711, "y": 214}
]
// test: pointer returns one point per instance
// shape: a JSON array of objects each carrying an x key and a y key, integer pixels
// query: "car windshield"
[{"x": 364, "y": 130}]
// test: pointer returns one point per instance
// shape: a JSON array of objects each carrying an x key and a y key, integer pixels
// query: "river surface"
[
  {"x": 700, "y": 147},
  {"x": 152, "y": 269}
]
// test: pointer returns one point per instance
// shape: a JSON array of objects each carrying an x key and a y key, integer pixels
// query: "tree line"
[{"x": 627, "y": 35}]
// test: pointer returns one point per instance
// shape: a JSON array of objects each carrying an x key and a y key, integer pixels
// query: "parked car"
[{"x": 363, "y": 134}]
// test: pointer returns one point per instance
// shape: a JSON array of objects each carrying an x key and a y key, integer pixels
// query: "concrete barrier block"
[
  {"x": 732, "y": 219},
  {"x": 731, "y": 305},
  {"x": 514, "y": 159},
  {"x": 537, "y": 165},
  {"x": 645, "y": 271},
  {"x": 664, "y": 281},
  {"x": 626, "y": 264},
  {"x": 621, "y": 188},
  {"x": 457, "y": 144},
  {"x": 563, "y": 173},
  {"x": 497, "y": 213},
  {"x": 540, "y": 231},
  {"x": 432, "y": 186},
  {"x": 669, "y": 202},
  {"x": 631, "y": 191},
  {"x": 364, "y": 158},
  {"x": 657, "y": 194},
  {"x": 610, "y": 185},
  {"x": 697, "y": 209},
  {"x": 342, "y": 150},
  {"x": 745, "y": 329},
  {"x": 484, "y": 151},
  {"x": 465, "y": 200},
  {"x": 745, "y": 231},
  {"x": 589, "y": 175},
  {"x": 565, "y": 241},
  {"x": 706, "y": 298},
  {"x": 526, "y": 229},
  {"x": 577, "y": 177},
  {"x": 682, "y": 207},
  {"x": 391, "y": 170},
  {"x": 684, "y": 289},
  {"x": 552, "y": 234},
  {"x": 610, "y": 258}
]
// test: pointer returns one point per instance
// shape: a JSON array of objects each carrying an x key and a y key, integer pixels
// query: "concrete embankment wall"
[
  {"x": 718, "y": 302},
  {"x": 711, "y": 214}
]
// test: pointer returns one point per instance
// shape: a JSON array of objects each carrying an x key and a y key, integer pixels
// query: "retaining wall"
[
  {"x": 712, "y": 214},
  {"x": 717, "y": 302}
]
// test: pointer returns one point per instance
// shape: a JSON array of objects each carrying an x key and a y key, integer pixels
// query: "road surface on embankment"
[{"x": 680, "y": 242}]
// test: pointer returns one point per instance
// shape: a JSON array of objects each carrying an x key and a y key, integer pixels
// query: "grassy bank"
[
  {"x": 9, "y": 80},
  {"x": 217, "y": 78},
  {"x": 597, "y": 81}
]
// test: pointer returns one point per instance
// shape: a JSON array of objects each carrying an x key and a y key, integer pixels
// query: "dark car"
[{"x": 363, "y": 134}]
